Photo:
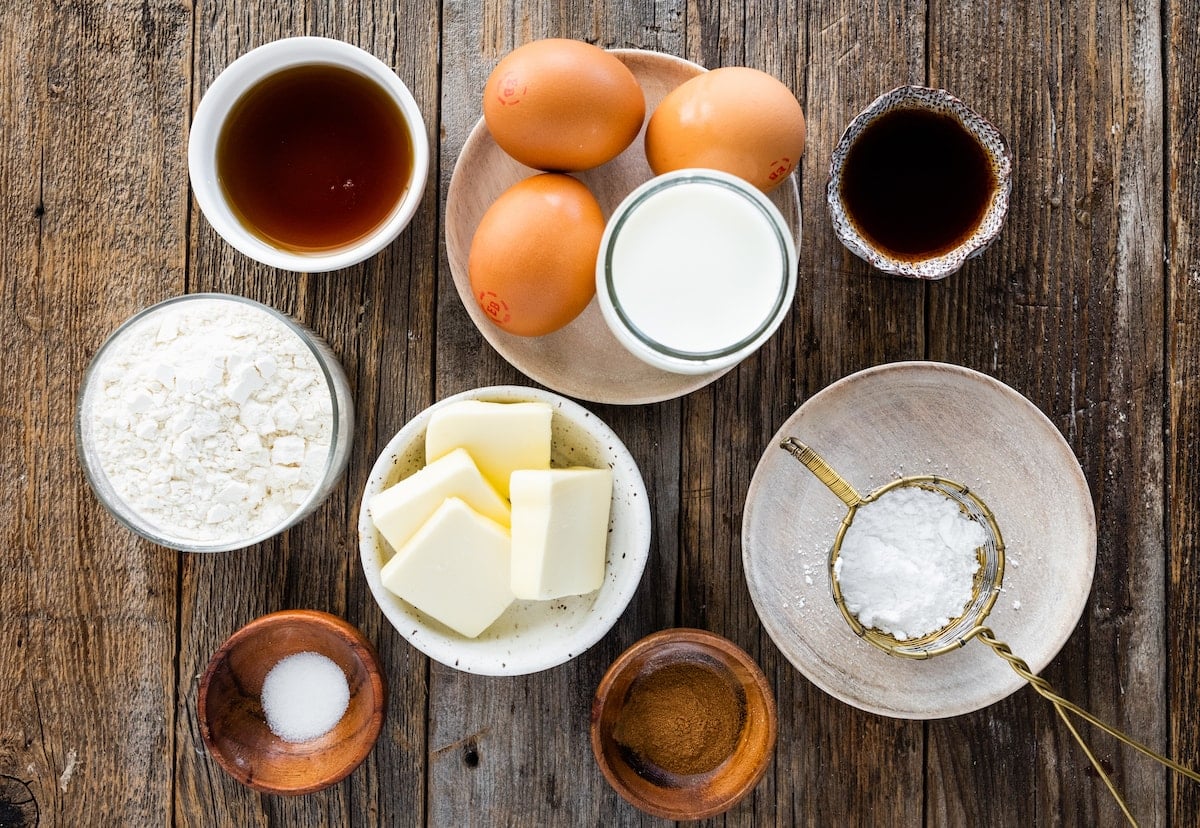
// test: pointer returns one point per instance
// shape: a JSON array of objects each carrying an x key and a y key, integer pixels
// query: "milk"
[{"x": 696, "y": 271}]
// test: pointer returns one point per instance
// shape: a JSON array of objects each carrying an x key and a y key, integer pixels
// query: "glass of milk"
[{"x": 697, "y": 269}]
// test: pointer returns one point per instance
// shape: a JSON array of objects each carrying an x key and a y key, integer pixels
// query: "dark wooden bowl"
[
  {"x": 655, "y": 790},
  {"x": 235, "y": 729}
]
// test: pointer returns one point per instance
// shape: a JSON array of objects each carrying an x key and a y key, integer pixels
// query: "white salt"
[
  {"x": 304, "y": 696},
  {"x": 907, "y": 563}
]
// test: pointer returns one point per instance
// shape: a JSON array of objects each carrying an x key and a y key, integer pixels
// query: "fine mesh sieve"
[{"x": 970, "y": 623}]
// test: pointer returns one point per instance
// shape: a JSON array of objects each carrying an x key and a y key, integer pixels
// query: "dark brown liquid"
[
  {"x": 916, "y": 183},
  {"x": 314, "y": 157}
]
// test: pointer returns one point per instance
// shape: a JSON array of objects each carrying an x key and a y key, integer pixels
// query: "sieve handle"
[
  {"x": 823, "y": 471},
  {"x": 1063, "y": 707}
]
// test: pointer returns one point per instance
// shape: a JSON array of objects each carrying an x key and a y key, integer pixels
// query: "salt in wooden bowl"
[{"x": 234, "y": 727}]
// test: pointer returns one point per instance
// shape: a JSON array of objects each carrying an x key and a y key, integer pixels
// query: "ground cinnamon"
[{"x": 684, "y": 718}]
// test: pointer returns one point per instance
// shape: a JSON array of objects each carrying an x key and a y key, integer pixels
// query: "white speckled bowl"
[
  {"x": 531, "y": 635},
  {"x": 988, "y": 229}
]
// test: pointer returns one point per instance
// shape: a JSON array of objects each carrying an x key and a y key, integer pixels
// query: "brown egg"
[
  {"x": 562, "y": 105},
  {"x": 533, "y": 258},
  {"x": 735, "y": 119}
]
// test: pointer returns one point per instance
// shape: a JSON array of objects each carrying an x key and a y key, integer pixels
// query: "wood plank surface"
[
  {"x": 1089, "y": 304},
  {"x": 1181, "y": 489},
  {"x": 515, "y": 751},
  {"x": 1067, "y": 309},
  {"x": 841, "y": 763},
  {"x": 378, "y": 319},
  {"x": 94, "y": 190}
]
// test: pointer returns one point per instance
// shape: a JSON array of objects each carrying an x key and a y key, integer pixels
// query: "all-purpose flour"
[
  {"x": 907, "y": 563},
  {"x": 212, "y": 420}
]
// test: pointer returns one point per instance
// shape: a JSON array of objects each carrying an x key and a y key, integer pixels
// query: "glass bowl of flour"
[{"x": 211, "y": 422}]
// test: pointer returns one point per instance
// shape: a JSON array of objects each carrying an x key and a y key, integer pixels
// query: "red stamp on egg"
[
  {"x": 510, "y": 90},
  {"x": 780, "y": 168},
  {"x": 494, "y": 306}
]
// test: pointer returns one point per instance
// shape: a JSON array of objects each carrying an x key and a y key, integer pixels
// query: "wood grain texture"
[
  {"x": 516, "y": 751},
  {"x": 93, "y": 188},
  {"x": 1182, "y": 387},
  {"x": 723, "y": 423},
  {"x": 841, "y": 764},
  {"x": 103, "y": 637},
  {"x": 377, "y": 317},
  {"x": 1067, "y": 308}
]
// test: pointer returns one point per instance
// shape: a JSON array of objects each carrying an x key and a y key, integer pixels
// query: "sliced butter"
[
  {"x": 400, "y": 510},
  {"x": 455, "y": 569},
  {"x": 502, "y": 437},
  {"x": 559, "y": 531}
]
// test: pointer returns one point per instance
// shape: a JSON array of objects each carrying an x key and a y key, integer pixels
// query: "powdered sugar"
[
  {"x": 211, "y": 419},
  {"x": 907, "y": 562}
]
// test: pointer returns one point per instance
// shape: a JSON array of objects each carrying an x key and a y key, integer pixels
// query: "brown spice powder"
[{"x": 684, "y": 719}]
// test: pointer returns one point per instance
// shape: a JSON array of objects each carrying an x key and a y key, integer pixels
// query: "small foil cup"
[{"x": 942, "y": 263}]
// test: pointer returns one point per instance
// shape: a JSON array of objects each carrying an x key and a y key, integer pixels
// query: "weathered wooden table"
[{"x": 1089, "y": 305}]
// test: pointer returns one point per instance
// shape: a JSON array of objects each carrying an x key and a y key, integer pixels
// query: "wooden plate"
[
  {"x": 582, "y": 360},
  {"x": 920, "y": 418}
]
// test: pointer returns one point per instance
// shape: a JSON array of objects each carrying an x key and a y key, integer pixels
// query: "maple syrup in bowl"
[
  {"x": 314, "y": 157},
  {"x": 308, "y": 154}
]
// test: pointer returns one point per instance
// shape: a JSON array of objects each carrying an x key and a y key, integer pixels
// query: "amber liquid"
[
  {"x": 916, "y": 184},
  {"x": 314, "y": 157}
]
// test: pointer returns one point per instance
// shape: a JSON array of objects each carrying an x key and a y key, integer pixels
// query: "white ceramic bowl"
[
  {"x": 244, "y": 73},
  {"x": 531, "y": 635}
]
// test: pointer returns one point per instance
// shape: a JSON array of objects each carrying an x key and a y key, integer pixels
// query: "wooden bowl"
[
  {"x": 657, "y": 790},
  {"x": 234, "y": 726}
]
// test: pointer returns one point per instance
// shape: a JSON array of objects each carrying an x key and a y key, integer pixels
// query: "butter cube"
[
  {"x": 559, "y": 531},
  {"x": 502, "y": 437},
  {"x": 455, "y": 569},
  {"x": 400, "y": 510}
]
